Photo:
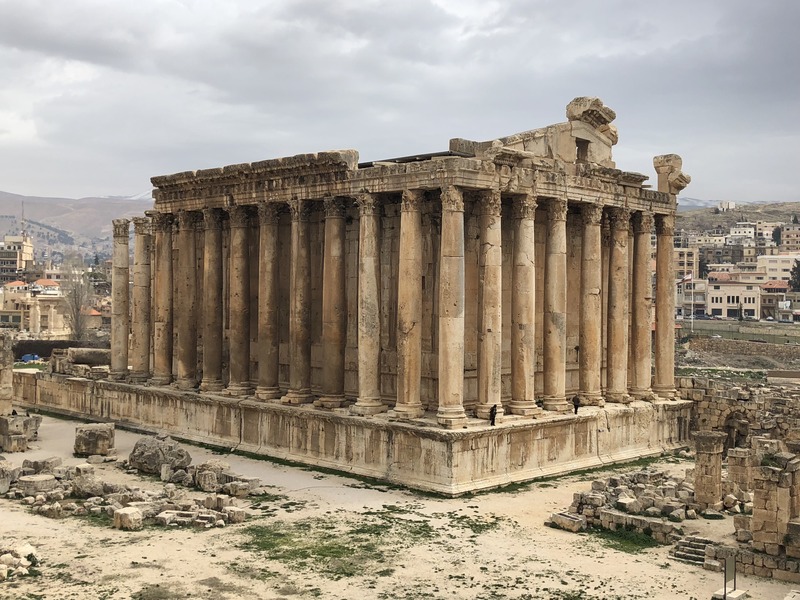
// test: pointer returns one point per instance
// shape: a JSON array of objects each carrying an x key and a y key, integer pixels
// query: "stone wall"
[
  {"x": 448, "y": 462},
  {"x": 780, "y": 352},
  {"x": 754, "y": 563}
]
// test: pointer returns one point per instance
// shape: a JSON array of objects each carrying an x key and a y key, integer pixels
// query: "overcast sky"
[{"x": 97, "y": 96}]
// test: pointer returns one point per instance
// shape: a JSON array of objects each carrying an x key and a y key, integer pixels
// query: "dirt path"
[{"x": 323, "y": 536}]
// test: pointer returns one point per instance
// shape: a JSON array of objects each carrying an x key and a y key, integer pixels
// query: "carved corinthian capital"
[
  {"x": 141, "y": 226},
  {"x": 452, "y": 199},
  {"x": 300, "y": 209},
  {"x": 524, "y": 207},
  {"x": 212, "y": 218},
  {"x": 557, "y": 210},
  {"x": 188, "y": 219},
  {"x": 162, "y": 222},
  {"x": 268, "y": 212},
  {"x": 620, "y": 219},
  {"x": 592, "y": 214},
  {"x": 643, "y": 223},
  {"x": 335, "y": 207},
  {"x": 121, "y": 228},
  {"x": 240, "y": 216},
  {"x": 491, "y": 202},
  {"x": 367, "y": 205},
  {"x": 665, "y": 225},
  {"x": 412, "y": 199}
]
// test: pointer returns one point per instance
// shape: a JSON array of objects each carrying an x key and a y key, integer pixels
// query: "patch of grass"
[{"x": 624, "y": 540}]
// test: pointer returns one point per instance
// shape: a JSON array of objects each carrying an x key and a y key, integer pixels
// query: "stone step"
[
  {"x": 701, "y": 555},
  {"x": 698, "y": 539},
  {"x": 688, "y": 558},
  {"x": 695, "y": 545}
]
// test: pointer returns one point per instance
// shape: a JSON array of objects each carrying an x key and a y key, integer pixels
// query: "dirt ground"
[{"x": 318, "y": 535}]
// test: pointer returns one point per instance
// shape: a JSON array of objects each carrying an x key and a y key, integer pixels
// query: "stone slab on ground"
[{"x": 731, "y": 595}]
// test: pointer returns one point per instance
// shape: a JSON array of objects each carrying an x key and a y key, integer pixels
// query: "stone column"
[
  {"x": 554, "y": 345},
  {"x": 617, "y": 350},
  {"x": 451, "y": 311},
  {"x": 300, "y": 307},
  {"x": 664, "y": 381},
  {"x": 641, "y": 335},
  {"x": 490, "y": 306},
  {"x": 268, "y": 299},
  {"x": 162, "y": 298},
  {"x": 334, "y": 306},
  {"x": 523, "y": 308},
  {"x": 708, "y": 468},
  {"x": 590, "y": 356},
  {"x": 409, "y": 308},
  {"x": 239, "y": 305},
  {"x": 212, "y": 300},
  {"x": 120, "y": 294},
  {"x": 186, "y": 300},
  {"x": 369, "y": 307},
  {"x": 140, "y": 338},
  {"x": 35, "y": 317}
]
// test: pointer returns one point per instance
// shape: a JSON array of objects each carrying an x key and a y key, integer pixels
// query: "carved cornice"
[
  {"x": 300, "y": 209},
  {"x": 121, "y": 228},
  {"x": 643, "y": 223},
  {"x": 524, "y": 207},
  {"x": 241, "y": 216},
  {"x": 665, "y": 225},
  {"x": 412, "y": 200},
  {"x": 162, "y": 222},
  {"x": 269, "y": 212},
  {"x": 335, "y": 207},
  {"x": 142, "y": 226},
  {"x": 592, "y": 214},
  {"x": 490, "y": 203},
  {"x": 368, "y": 205},
  {"x": 212, "y": 218},
  {"x": 557, "y": 210}
]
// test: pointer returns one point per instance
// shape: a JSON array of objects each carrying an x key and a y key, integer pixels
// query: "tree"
[
  {"x": 776, "y": 236},
  {"x": 702, "y": 267},
  {"x": 77, "y": 291},
  {"x": 794, "y": 277},
  {"x": 794, "y": 220}
]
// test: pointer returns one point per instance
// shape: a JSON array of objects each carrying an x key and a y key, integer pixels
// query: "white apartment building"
[
  {"x": 777, "y": 266},
  {"x": 731, "y": 299}
]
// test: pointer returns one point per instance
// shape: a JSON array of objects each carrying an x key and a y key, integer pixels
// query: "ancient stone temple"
[{"x": 369, "y": 316}]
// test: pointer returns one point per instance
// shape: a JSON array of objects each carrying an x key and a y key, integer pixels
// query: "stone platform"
[{"x": 418, "y": 454}]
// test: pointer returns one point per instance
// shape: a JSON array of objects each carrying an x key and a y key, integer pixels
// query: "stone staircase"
[{"x": 691, "y": 549}]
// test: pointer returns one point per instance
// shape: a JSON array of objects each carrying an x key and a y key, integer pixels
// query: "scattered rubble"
[{"x": 17, "y": 561}]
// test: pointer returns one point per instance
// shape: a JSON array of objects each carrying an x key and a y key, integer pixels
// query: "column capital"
[
  {"x": 620, "y": 218},
  {"x": 212, "y": 218},
  {"x": 452, "y": 199},
  {"x": 524, "y": 207},
  {"x": 269, "y": 212},
  {"x": 142, "y": 226},
  {"x": 490, "y": 203},
  {"x": 557, "y": 209},
  {"x": 300, "y": 209},
  {"x": 592, "y": 214},
  {"x": 240, "y": 216},
  {"x": 368, "y": 205},
  {"x": 643, "y": 222},
  {"x": 162, "y": 222},
  {"x": 335, "y": 207},
  {"x": 665, "y": 225},
  {"x": 188, "y": 219},
  {"x": 411, "y": 200},
  {"x": 121, "y": 228}
]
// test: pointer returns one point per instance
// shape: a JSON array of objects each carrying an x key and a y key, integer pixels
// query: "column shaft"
[
  {"x": 212, "y": 300},
  {"x": 590, "y": 356},
  {"x": 642, "y": 295},
  {"x": 523, "y": 308},
  {"x": 300, "y": 307},
  {"x": 268, "y": 299},
  {"x": 409, "y": 308},
  {"x": 334, "y": 305},
  {"x": 186, "y": 300},
  {"x": 140, "y": 330},
  {"x": 162, "y": 330},
  {"x": 369, "y": 307},
  {"x": 120, "y": 322},
  {"x": 554, "y": 344},
  {"x": 451, "y": 311},
  {"x": 490, "y": 306},
  {"x": 664, "y": 384},
  {"x": 239, "y": 318},
  {"x": 617, "y": 350}
]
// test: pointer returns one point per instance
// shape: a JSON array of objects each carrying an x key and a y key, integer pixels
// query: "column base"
[
  {"x": 557, "y": 404},
  {"x": 118, "y": 375},
  {"x": 407, "y": 411},
  {"x": 298, "y": 397},
  {"x": 329, "y": 401},
  {"x": 160, "y": 381},
  {"x": 452, "y": 417},
  {"x": 482, "y": 410},
  {"x": 592, "y": 399},
  {"x": 367, "y": 406},
  {"x": 239, "y": 389},
  {"x": 644, "y": 395},
  {"x": 618, "y": 398},
  {"x": 666, "y": 392},
  {"x": 213, "y": 385},
  {"x": 138, "y": 378},
  {"x": 268, "y": 394},
  {"x": 525, "y": 408},
  {"x": 185, "y": 384}
]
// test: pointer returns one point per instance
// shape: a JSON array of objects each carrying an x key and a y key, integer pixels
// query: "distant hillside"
[
  {"x": 700, "y": 219},
  {"x": 64, "y": 224}
]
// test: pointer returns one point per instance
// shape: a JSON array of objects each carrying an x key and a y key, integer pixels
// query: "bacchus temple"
[{"x": 368, "y": 316}]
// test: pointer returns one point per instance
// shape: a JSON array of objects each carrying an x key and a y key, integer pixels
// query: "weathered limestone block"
[
  {"x": 150, "y": 453},
  {"x": 30, "y": 485},
  {"x": 128, "y": 519},
  {"x": 87, "y": 486},
  {"x": 568, "y": 521},
  {"x": 629, "y": 505},
  {"x": 89, "y": 356},
  {"x": 206, "y": 481},
  {"x": 94, "y": 439},
  {"x": 47, "y": 465},
  {"x": 234, "y": 514}
]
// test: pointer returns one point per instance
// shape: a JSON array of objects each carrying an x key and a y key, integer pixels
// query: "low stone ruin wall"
[
  {"x": 754, "y": 563},
  {"x": 780, "y": 352}
]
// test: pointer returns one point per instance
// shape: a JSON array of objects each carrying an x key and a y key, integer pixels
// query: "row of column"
[{"x": 181, "y": 311}]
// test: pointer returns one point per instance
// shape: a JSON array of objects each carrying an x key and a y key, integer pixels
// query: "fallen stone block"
[
  {"x": 238, "y": 515},
  {"x": 32, "y": 484},
  {"x": 566, "y": 521},
  {"x": 206, "y": 481},
  {"x": 150, "y": 453},
  {"x": 128, "y": 519},
  {"x": 94, "y": 439}
]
